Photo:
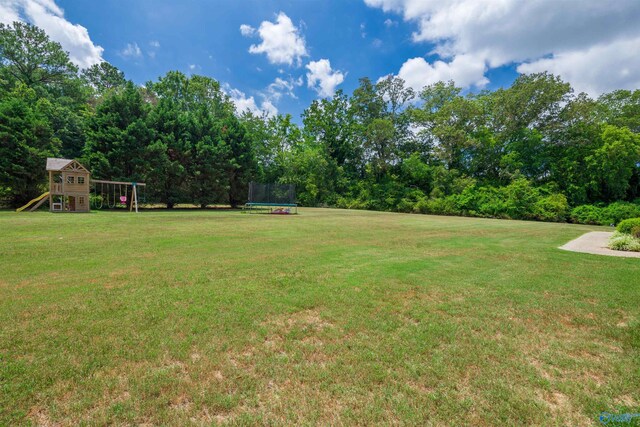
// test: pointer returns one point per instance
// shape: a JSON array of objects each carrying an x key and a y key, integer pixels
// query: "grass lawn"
[{"x": 328, "y": 317}]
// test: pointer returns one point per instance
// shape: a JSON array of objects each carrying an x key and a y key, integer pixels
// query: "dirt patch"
[
  {"x": 301, "y": 319},
  {"x": 562, "y": 408},
  {"x": 627, "y": 401},
  {"x": 40, "y": 417}
]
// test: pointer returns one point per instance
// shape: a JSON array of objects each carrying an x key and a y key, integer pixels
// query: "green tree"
[
  {"x": 241, "y": 165},
  {"x": 615, "y": 161},
  {"x": 28, "y": 56},
  {"x": 26, "y": 140},
  {"x": 118, "y": 136},
  {"x": 103, "y": 77}
]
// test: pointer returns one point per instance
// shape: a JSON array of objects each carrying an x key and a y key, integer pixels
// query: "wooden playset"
[{"x": 70, "y": 189}]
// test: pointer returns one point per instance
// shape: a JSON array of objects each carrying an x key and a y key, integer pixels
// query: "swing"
[
  {"x": 98, "y": 200},
  {"x": 109, "y": 199},
  {"x": 123, "y": 199}
]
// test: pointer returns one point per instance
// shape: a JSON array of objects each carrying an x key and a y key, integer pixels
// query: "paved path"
[{"x": 595, "y": 242}]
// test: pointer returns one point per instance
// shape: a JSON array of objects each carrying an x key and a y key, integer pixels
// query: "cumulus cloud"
[
  {"x": 595, "y": 70},
  {"x": 45, "y": 14},
  {"x": 9, "y": 12},
  {"x": 247, "y": 30},
  {"x": 281, "y": 87},
  {"x": 390, "y": 23},
  {"x": 131, "y": 50},
  {"x": 537, "y": 34},
  {"x": 322, "y": 78},
  {"x": 465, "y": 70},
  {"x": 244, "y": 103},
  {"x": 281, "y": 41}
]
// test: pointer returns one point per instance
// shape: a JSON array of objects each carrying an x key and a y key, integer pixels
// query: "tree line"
[{"x": 534, "y": 150}]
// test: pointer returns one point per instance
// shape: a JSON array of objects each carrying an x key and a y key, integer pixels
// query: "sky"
[{"x": 278, "y": 56}]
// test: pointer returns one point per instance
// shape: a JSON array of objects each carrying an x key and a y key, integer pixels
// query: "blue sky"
[
  {"x": 280, "y": 55},
  {"x": 206, "y": 35}
]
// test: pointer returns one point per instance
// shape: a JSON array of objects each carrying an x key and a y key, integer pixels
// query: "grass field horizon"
[{"x": 327, "y": 317}]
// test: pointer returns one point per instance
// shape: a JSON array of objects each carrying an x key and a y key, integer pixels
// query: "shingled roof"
[{"x": 57, "y": 164}]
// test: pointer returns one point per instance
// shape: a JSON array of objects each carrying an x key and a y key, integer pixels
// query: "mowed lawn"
[{"x": 328, "y": 317}]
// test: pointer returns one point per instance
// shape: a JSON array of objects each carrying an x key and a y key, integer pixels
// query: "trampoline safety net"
[{"x": 272, "y": 193}]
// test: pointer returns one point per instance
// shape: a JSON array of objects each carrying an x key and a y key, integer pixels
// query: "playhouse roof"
[{"x": 54, "y": 164}]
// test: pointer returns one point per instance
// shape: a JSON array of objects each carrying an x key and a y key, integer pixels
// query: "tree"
[
  {"x": 118, "y": 136},
  {"x": 621, "y": 108},
  {"x": 30, "y": 57},
  {"x": 378, "y": 143},
  {"x": 103, "y": 77},
  {"x": 394, "y": 94},
  {"x": 615, "y": 161},
  {"x": 330, "y": 124},
  {"x": 26, "y": 140},
  {"x": 241, "y": 163},
  {"x": 366, "y": 103}
]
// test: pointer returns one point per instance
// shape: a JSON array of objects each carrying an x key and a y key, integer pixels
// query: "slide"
[{"x": 37, "y": 199}]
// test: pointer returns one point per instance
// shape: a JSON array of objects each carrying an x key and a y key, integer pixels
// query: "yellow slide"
[{"x": 40, "y": 197}]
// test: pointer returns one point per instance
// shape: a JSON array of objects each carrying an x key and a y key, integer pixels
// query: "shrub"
[
  {"x": 588, "y": 214},
  {"x": 553, "y": 207},
  {"x": 520, "y": 196},
  {"x": 405, "y": 205},
  {"x": 624, "y": 242},
  {"x": 618, "y": 211},
  {"x": 635, "y": 232},
  {"x": 627, "y": 225},
  {"x": 437, "y": 206}
]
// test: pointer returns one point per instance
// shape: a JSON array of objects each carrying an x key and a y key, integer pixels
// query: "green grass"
[{"x": 328, "y": 317}]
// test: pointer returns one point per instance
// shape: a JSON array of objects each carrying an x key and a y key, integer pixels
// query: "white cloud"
[
  {"x": 244, "y": 103},
  {"x": 154, "y": 45},
  {"x": 390, "y": 23},
  {"x": 192, "y": 66},
  {"x": 595, "y": 70},
  {"x": 9, "y": 13},
  {"x": 247, "y": 30},
  {"x": 45, "y": 14},
  {"x": 281, "y": 87},
  {"x": 281, "y": 41},
  {"x": 547, "y": 33},
  {"x": 465, "y": 70},
  {"x": 322, "y": 78},
  {"x": 132, "y": 50}
]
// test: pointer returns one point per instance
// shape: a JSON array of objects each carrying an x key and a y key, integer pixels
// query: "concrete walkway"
[{"x": 595, "y": 242}]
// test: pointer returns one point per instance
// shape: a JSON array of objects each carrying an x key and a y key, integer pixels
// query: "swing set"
[{"x": 115, "y": 194}]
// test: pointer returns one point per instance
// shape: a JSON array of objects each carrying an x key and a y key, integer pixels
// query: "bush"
[
  {"x": 635, "y": 232},
  {"x": 588, "y": 214},
  {"x": 520, "y": 196},
  {"x": 618, "y": 211},
  {"x": 627, "y": 225},
  {"x": 624, "y": 242},
  {"x": 553, "y": 207},
  {"x": 437, "y": 206},
  {"x": 405, "y": 205}
]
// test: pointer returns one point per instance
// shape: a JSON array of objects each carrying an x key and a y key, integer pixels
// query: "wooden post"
[
  {"x": 132, "y": 190},
  {"x": 135, "y": 195},
  {"x": 50, "y": 191}
]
